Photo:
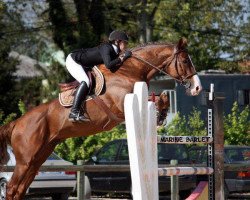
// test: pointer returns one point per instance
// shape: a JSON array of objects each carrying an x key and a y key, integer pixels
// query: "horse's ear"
[{"x": 182, "y": 44}]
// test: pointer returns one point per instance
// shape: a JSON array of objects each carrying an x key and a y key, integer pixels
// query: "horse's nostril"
[{"x": 197, "y": 88}]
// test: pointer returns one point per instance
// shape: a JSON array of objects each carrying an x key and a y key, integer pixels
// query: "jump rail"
[
  {"x": 118, "y": 168},
  {"x": 170, "y": 171}
]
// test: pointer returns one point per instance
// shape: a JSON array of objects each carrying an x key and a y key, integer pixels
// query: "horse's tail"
[{"x": 5, "y": 133}]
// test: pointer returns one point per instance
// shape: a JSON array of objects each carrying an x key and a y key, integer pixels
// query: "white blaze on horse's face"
[{"x": 195, "y": 87}]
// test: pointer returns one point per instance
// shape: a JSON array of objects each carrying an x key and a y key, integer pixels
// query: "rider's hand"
[{"x": 125, "y": 55}]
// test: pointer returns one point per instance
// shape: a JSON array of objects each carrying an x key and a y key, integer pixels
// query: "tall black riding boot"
[{"x": 81, "y": 93}]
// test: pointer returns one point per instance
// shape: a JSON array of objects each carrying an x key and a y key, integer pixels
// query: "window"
[
  {"x": 172, "y": 152},
  {"x": 238, "y": 155},
  {"x": 124, "y": 153},
  {"x": 108, "y": 154},
  {"x": 172, "y": 98},
  {"x": 246, "y": 154},
  {"x": 243, "y": 97},
  {"x": 173, "y": 105},
  {"x": 53, "y": 156}
]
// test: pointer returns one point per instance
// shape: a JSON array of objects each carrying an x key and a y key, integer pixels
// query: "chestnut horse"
[{"x": 34, "y": 136}]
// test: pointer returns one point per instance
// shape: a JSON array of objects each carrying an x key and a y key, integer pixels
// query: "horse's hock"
[{"x": 140, "y": 116}]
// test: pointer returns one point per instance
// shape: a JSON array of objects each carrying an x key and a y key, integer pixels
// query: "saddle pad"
[{"x": 66, "y": 98}]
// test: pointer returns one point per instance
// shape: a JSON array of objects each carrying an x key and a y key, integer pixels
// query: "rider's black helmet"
[{"x": 118, "y": 35}]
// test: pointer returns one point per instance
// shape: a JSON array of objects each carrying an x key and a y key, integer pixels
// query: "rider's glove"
[{"x": 125, "y": 55}]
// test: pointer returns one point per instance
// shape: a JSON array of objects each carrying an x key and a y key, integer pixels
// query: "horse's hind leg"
[
  {"x": 12, "y": 188},
  {"x": 31, "y": 148},
  {"x": 33, "y": 169},
  {"x": 25, "y": 174},
  {"x": 13, "y": 183}
]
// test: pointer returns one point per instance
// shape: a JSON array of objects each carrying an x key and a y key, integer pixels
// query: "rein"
[
  {"x": 150, "y": 64},
  {"x": 164, "y": 66}
]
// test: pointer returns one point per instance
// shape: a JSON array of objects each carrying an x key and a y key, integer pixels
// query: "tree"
[
  {"x": 213, "y": 29},
  {"x": 191, "y": 125},
  {"x": 237, "y": 126},
  {"x": 78, "y": 30},
  {"x": 5, "y": 119},
  {"x": 8, "y": 96}
]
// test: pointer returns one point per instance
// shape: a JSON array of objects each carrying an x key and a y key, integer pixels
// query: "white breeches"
[{"x": 76, "y": 70}]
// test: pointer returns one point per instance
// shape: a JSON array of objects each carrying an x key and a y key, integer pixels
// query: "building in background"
[
  {"x": 27, "y": 67},
  {"x": 235, "y": 88}
]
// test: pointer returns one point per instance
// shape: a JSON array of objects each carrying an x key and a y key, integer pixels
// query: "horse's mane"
[{"x": 142, "y": 46}]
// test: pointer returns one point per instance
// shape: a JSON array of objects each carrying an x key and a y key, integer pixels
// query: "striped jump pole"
[{"x": 173, "y": 171}]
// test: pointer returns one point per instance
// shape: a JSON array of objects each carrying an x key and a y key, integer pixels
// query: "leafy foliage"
[
  {"x": 181, "y": 125},
  {"x": 237, "y": 126},
  {"x": 229, "y": 66},
  {"x": 211, "y": 28},
  {"x": 12, "y": 116},
  {"x": 7, "y": 119},
  {"x": 74, "y": 149}
]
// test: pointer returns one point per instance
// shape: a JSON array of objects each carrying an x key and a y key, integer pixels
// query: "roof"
[
  {"x": 212, "y": 72},
  {"x": 27, "y": 67}
]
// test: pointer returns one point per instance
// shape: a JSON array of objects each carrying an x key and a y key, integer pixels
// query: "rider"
[{"x": 83, "y": 59}]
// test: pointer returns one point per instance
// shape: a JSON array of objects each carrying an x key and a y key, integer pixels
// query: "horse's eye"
[{"x": 185, "y": 61}]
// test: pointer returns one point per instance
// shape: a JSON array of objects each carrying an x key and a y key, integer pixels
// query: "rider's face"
[{"x": 123, "y": 45}]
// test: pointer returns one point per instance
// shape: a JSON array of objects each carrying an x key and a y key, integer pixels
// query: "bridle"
[{"x": 162, "y": 69}]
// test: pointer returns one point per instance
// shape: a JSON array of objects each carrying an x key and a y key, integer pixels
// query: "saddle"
[{"x": 66, "y": 96}]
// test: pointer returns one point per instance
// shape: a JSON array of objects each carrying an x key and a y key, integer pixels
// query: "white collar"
[{"x": 115, "y": 48}]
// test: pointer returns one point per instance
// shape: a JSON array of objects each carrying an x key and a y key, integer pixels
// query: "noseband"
[{"x": 166, "y": 64}]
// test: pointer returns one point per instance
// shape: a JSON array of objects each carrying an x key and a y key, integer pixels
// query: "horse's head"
[
  {"x": 179, "y": 65},
  {"x": 162, "y": 105},
  {"x": 172, "y": 60}
]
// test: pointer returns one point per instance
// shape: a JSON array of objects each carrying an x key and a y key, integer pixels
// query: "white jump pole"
[{"x": 140, "y": 116}]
